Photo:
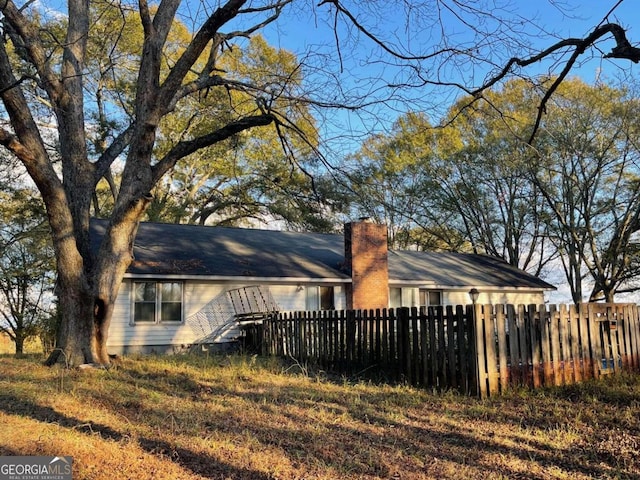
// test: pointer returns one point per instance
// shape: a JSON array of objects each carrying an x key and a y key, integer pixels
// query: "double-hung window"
[
  {"x": 157, "y": 302},
  {"x": 430, "y": 298},
  {"x": 395, "y": 297},
  {"x": 320, "y": 298}
]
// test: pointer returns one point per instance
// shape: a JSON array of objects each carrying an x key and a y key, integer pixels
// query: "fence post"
[
  {"x": 478, "y": 350},
  {"x": 404, "y": 341},
  {"x": 451, "y": 347}
]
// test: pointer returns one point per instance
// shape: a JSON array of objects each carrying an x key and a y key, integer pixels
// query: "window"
[
  {"x": 395, "y": 297},
  {"x": 430, "y": 298},
  {"x": 155, "y": 302},
  {"x": 320, "y": 298}
]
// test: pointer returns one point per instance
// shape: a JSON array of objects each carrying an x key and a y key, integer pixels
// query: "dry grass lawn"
[{"x": 245, "y": 418}]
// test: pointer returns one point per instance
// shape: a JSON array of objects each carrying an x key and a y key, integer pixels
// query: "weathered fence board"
[{"x": 480, "y": 350}]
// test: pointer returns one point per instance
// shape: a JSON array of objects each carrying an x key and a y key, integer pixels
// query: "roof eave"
[
  {"x": 231, "y": 278},
  {"x": 435, "y": 286}
]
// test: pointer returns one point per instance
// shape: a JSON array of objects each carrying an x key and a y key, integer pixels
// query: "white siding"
[
  {"x": 125, "y": 336},
  {"x": 411, "y": 298},
  {"x": 206, "y": 309},
  {"x": 495, "y": 297}
]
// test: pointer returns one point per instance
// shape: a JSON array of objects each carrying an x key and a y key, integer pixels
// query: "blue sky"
[
  {"x": 341, "y": 62},
  {"x": 306, "y": 28},
  {"x": 364, "y": 71}
]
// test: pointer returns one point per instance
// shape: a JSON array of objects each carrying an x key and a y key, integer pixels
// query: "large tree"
[
  {"x": 483, "y": 181},
  {"x": 46, "y": 74},
  {"x": 26, "y": 266},
  {"x": 389, "y": 181},
  {"x": 588, "y": 171},
  {"x": 574, "y": 188}
]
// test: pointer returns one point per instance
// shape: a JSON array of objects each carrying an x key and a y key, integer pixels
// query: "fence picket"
[
  {"x": 634, "y": 337},
  {"x": 480, "y": 350},
  {"x": 515, "y": 365},
  {"x": 595, "y": 339},
  {"x": 451, "y": 351},
  {"x": 614, "y": 338},
  {"x": 574, "y": 345},
  {"x": 481, "y": 356},
  {"x": 433, "y": 347},
  {"x": 424, "y": 348},
  {"x": 564, "y": 327},
  {"x": 415, "y": 348},
  {"x": 554, "y": 333},
  {"x": 463, "y": 353},
  {"x": 531, "y": 346},
  {"x": 503, "y": 357},
  {"x": 442, "y": 349}
]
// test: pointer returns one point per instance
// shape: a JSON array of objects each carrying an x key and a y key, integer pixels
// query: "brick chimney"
[{"x": 365, "y": 252}]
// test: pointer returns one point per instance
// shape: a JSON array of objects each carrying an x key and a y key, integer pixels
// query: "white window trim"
[
  {"x": 158, "y": 309},
  {"x": 317, "y": 297},
  {"x": 427, "y": 291}
]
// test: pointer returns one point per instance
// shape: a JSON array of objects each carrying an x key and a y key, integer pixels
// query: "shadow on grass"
[
  {"x": 464, "y": 447},
  {"x": 359, "y": 431},
  {"x": 197, "y": 463}
]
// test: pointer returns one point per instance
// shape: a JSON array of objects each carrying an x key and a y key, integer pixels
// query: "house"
[{"x": 196, "y": 284}]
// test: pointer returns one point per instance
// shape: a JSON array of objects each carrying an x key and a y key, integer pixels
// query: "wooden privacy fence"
[
  {"x": 431, "y": 348},
  {"x": 555, "y": 345},
  {"x": 479, "y": 350}
]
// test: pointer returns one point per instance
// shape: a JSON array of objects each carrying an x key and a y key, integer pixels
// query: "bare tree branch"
[
  {"x": 185, "y": 148},
  {"x": 26, "y": 36},
  {"x": 622, "y": 50}
]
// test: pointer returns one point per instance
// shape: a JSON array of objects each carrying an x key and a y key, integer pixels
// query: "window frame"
[
  {"x": 314, "y": 294},
  {"x": 159, "y": 303},
  {"x": 395, "y": 297},
  {"x": 427, "y": 292}
]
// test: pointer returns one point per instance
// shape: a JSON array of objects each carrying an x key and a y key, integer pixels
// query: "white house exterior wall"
[
  {"x": 127, "y": 337},
  {"x": 494, "y": 297},
  {"x": 460, "y": 296}
]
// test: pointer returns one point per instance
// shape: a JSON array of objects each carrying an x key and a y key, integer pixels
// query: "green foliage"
[
  {"x": 261, "y": 174},
  {"x": 474, "y": 183},
  {"x": 589, "y": 172},
  {"x": 26, "y": 267},
  {"x": 575, "y": 188},
  {"x": 485, "y": 167},
  {"x": 389, "y": 181}
]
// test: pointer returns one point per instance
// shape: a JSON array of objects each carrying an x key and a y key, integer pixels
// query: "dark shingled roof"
[
  {"x": 459, "y": 270},
  {"x": 171, "y": 249}
]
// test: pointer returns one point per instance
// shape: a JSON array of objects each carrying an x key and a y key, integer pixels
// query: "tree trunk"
[
  {"x": 88, "y": 290},
  {"x": 75, "y": 340},
  {"x": 19, "y": 341}
]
